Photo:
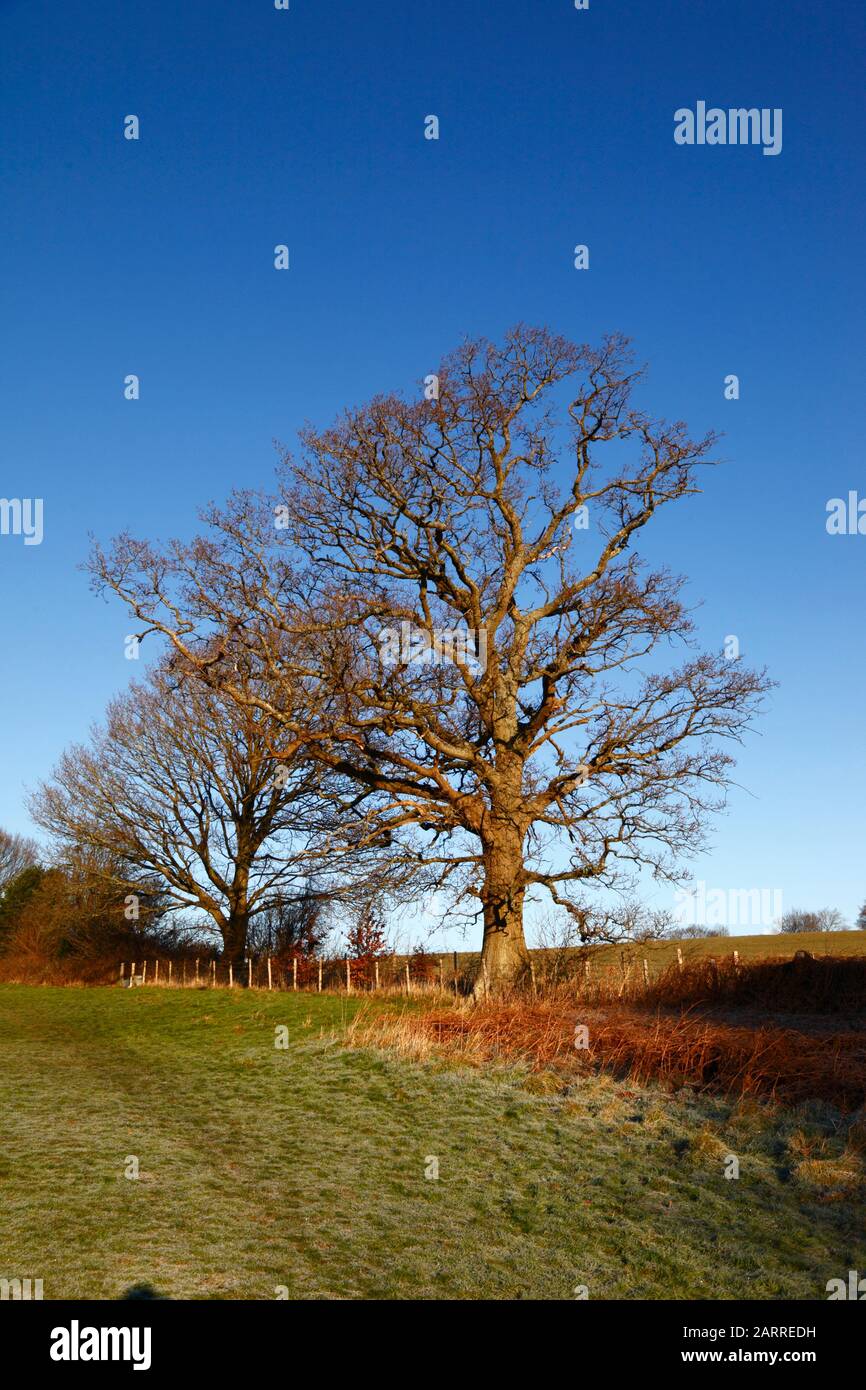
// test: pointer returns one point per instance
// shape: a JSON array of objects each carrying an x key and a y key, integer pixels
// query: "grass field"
[
  {"x": 304, "y": 1168},
  {"x": 662, "y": 953}
]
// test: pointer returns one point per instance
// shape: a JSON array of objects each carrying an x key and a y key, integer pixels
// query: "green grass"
[{"x": 305, "y": 1167}]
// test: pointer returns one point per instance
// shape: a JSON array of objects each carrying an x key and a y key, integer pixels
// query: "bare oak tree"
[{"x": 453, "y": 582}]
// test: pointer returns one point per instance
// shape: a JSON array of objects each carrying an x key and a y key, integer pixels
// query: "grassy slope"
[
  {"x": 305, "y": 1167},
  {"x": 663, "y": 953},
  {"x": 835, "y": 943}
]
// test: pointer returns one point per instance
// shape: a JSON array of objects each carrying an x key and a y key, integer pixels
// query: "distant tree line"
[{"x": 824, "y": 919}]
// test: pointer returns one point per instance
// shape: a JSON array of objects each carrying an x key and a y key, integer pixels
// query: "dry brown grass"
[
  {"x": 834, "y": 1178},
  {"x": 678, "y": 1049},
  {"x": 857, "y": 1133},
  {"x": 823, "y": 985},
  {"x": 827, "y": 985},
  {"x": 690, "y": 1050},
  {"x": 24, "y": 970}
]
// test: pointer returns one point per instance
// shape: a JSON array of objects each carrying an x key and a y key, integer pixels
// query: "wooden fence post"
[
  {"x": 250, "y": 973},
  {"x": 320, "y": 974},
  {"x": 213, "y": 973},
  {"x": 196, "y": 969},
  {"x": 270, "y": 975},
  {"x": 156, "y": 972},
  {"x": 294, "y": 972},
  {"x": 376, "y": 968},
  {"x": 122, "y": 968},
  {"x": 626, "y": 971},
  {"x": 231, "y": 976},
  {"x": 169, "y": 972},
  {"x": 132, "y": 972},
  {"x": 680, "y": 957},
  {"x": 736, "y": 959},
  {"x": 144, "y": 974},
  {"x": 646, "y": 972},
  {"x": 408, "y": 981}
]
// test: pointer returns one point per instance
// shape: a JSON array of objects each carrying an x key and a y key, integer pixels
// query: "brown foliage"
[
  {"x": 365, "y": 938},
  {"x": 680, "y": 1046}
]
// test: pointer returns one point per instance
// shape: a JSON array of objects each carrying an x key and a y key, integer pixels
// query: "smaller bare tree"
[
  {"x": 17, "y": 853},
  {"x": 189, "y": 786}
]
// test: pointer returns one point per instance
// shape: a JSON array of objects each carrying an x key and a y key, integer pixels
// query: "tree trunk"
[
  {"x": 235, "y": 943},
  {"x": 504, "y": 957}
]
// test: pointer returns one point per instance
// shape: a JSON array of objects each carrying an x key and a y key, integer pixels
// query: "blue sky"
[{"x": 306, "y": 127}]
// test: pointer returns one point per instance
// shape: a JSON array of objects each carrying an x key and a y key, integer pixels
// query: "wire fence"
[
  {"x": 627, "y": 974},
  {"x": 316, "y": 974},
  {"x": 455, "y": 973}
]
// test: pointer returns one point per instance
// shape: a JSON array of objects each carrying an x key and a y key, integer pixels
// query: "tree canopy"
[{"x": 454, "y": 584}]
